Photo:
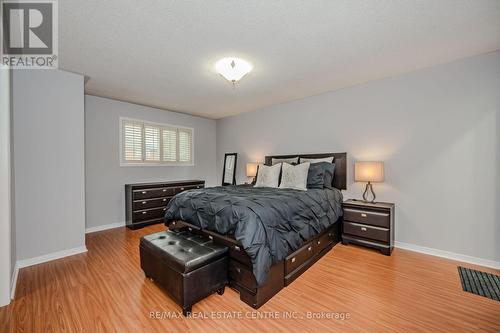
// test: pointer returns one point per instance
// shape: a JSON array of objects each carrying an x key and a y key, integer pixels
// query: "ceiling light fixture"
[{"x": 233, "y": 69}]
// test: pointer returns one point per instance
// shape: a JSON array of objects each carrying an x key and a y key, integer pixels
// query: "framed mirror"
[{"x": 229, "y": 172}]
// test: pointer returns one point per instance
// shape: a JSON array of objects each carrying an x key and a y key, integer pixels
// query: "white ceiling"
[{"x": 162, "y": 53}]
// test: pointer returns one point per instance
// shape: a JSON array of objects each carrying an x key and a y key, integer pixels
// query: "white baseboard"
[
  {"x": 448, "y": 255},
  {"x": 38, "y": 260},
  {"x": 104, "y": 227},
  {"x": 51, "y": 256},
  {"x": 13, "y": 283}
]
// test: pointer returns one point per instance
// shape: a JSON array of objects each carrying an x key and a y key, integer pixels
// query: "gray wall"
[
  {"x": 437, "y": 131},
  {"x": 105, "y": 178},
  {"x": 13, "y": 253},
  {"x": 48, "y": 161},
  {"x": 5, "y": 190}
]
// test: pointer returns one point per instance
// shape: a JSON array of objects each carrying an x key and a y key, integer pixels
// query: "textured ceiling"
[{"x": 162, "y": 53}]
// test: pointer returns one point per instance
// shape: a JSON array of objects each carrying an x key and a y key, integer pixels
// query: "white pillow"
[
  {"x": 290, "y": 160},
  {"x": 317, "y": 160},
  {"x": 295, "y": 176},
  {"x": 268, "y": 176}
]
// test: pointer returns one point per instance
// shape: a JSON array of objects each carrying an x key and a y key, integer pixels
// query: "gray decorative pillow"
[
  {"x": 316, "y": 175},
  {"x": 321, "y": 175},
  {"x": 329, "y": 174},
  {"x": 268, "y": 176},
  {"x": 292, "y": 160},
  {"x": 294, "y": 176},
  {"x": 316, "y": 160}
]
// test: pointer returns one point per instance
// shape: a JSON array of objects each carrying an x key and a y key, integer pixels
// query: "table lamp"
[
  {"x": 252, "y": 170},
  {"x": 369, "y": 172}
]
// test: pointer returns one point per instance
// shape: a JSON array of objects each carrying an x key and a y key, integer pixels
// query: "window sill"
[{"x": 123, "y": 164}]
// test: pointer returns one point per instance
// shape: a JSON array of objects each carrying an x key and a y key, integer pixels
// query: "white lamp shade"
[
  {"x": 233, "y": 69},
  {"x": 369, "y": 171},
  {"x": 252, "y": 169}
]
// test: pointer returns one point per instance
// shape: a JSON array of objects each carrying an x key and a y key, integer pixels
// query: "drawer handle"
[
  {"x": 164, "y": 200},
  {"x": 319, "y": 242},
  {"x": 173, "y": 223},
  {"x": 144, "y": 213},
  {"x": 144, "y": 202},
  {"x": 164, "y": 209},
  {"x": 238, "y": 269},
  {"x": 236, "y": 248},
  {"x": 197, "y": 187},
  {"x": 363, "y": 229},
  {"x": 293, "y": 259},
  {"x": 190, "y": 229},
  {"x": 182, "y": 188},
  {"x": 164, "y": 190},
  {"x": 144, "y": 192},
  {"x": 309, "y": 248},
  {"x": 363, "y": 215},
  {"x": 210, "y": 237}
]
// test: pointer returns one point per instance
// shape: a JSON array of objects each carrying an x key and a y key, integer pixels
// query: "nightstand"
[{"x": 369, "y": 224}]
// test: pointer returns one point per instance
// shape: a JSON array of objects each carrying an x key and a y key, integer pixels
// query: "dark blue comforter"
[{"x": 269, "y": 223}]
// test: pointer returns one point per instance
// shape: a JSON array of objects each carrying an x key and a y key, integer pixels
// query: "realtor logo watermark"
[{"x": 29, "y": 36}]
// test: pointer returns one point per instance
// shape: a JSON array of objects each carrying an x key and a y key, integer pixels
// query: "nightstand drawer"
[
  {"x": 367, "y": 217},
  {"x": 366, "y": 231}
]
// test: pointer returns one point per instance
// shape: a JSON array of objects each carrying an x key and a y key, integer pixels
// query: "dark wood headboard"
[{"x": 340, "y": 177}]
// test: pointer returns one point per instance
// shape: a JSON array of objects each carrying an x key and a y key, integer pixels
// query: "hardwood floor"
[{"x": 105, "y": 290}]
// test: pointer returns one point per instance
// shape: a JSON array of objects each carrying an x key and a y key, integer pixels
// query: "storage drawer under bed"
[
  {"x": 293, "y": 261},
  {"x": 323, "y": 242},
  {"x": 242, "y": 275}
]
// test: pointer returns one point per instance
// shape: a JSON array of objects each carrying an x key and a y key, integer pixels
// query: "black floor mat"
[{"x": 480, "y": 283}]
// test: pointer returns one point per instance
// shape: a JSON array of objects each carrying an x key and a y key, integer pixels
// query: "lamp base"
[{"x": 369, "y": 187}]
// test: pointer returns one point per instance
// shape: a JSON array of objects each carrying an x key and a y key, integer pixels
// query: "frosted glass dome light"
[{"x": 233, "y": 69}]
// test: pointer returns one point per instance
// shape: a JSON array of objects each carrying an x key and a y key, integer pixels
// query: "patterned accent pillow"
[
  {"x": 294, "y": 176},
  {"x": 268, "y": 176},
  {"x": 317, "y": 160}
]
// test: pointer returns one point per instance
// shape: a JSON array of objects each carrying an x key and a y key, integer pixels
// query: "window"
[{"x": 152, "y": 144}]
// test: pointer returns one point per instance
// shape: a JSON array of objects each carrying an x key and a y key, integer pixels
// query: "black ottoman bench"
[{"x": 189, "y": 267}]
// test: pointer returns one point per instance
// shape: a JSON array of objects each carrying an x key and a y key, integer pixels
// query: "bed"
[{"x": 273, "y": 235}]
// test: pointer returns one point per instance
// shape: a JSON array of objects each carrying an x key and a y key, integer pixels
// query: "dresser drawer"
[
  {"x": 366, "y": 231},
  {"x": 242, "y": 275},
  {"x": 187, "y": 187},
  {"x": 152, "y": 193},
  {"x": 149, "y": 214},
  {"x": 150, "y": 203},
  {"x": 367, "y": 217},
  {"x": 297, "y": 258}
]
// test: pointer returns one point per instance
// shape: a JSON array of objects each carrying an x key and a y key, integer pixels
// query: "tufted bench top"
[{"x": 182, "y": 250}]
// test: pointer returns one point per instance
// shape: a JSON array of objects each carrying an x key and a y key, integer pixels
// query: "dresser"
[
  {"x": 146, "y": 203},
  {"x": 369, "y": 224}
]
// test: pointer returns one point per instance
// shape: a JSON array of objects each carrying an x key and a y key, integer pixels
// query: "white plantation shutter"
[
  {"x": 132, "y": 141},
  {"x": 185, "y": 145},
  {"x": 169, "y": 136},
  {"x": 150, "y": 144}
]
